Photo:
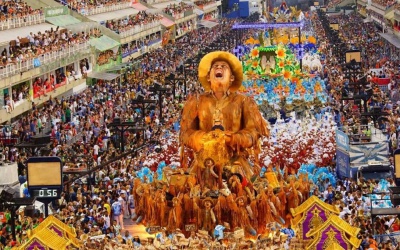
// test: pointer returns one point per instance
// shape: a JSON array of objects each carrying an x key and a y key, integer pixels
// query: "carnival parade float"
[{"x": 232, "y": 176}]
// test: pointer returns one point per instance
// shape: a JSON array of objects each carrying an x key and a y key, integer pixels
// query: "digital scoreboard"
[
  {"x": 46, "y": 193},
  {"x": 44, "y": 176}
]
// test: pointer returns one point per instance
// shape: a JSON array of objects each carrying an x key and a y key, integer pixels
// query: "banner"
[
  {"x": 56, "y": 11},
  {"x": 361, "y": 154},
  {"x": 342, "y": 164},
  {"x": 342, "y": 141},
  {"x": 36, "y": 62}
]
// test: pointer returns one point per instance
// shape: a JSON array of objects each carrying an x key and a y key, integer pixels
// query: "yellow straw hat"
[{"x": 207, "y": 61}]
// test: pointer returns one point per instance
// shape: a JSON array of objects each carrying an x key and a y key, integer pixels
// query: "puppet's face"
[
  {"x": 220, "y": 76},
  {"x": 209, "y": 163},
  {"x": 207, "y": 204}
]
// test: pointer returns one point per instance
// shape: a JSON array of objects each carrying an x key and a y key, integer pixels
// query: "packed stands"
[
  {"x": 385, "y": 3},
  {"x": 15, "y": 14},
  {"x": 134, "y": 23},
  {"x": 177, "y": 11},
  {"x": 25, "y": 53},
  {"x": 88, "y": 8}
]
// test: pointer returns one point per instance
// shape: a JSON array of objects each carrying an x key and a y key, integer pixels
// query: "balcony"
[
  {"x": 139, "y": 29},
  {"x": 184, "y": 16},
  {"x": 17, "y": 22},
  {"x": 362, "y": 2},
  {"x": 376, "y": 10},
  {"x": 378, "y": 5},
  {"x": 88, "y": 11},
  {"x": 25, "y": 105},
  {"x": 19, "y": 71},
  {"x": 134, "y": 53}
]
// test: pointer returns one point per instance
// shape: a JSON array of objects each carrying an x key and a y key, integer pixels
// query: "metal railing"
[
  {"x": 75, "y": 138},
  {"x": 16, "y": 22},
  {"x": 88, "y": 11},
  {"x": 139, "y": 28},
  {"x": 9, "y": 140},
  {"x": 142, "y": 50},
  {"x": 19, "y": 67}
]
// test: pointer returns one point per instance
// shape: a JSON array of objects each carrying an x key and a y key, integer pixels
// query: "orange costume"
[{"x": 234, "y": 116}]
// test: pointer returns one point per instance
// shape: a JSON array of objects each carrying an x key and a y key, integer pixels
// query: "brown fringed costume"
[{"x": 237, "y": 115}]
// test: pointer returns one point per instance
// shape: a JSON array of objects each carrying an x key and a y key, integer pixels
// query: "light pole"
[
  {"x": 143, "y": 103},
  {"x": 158, "y": 89},
  {"x": 170, "y": 79},
  {"x": 122, "y": 127}
]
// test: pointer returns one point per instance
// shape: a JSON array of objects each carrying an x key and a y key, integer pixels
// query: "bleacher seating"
[
  {"x": 15, "y": 14},
  {"x": 88, "y": 8},
  {"x": 134, "y": 23},
  {"x": 177, "y": 11},
  {"x": 40, "y": 49}
]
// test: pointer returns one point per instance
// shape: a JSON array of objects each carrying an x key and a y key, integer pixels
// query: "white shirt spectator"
[
  {"x": 96, "y": 149},
  {"x": 107, "y": 222}
]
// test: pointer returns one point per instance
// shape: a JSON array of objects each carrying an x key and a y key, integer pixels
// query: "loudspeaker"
[
  {"x": 29, "y": 211},
  {"x": 40, "y": 139}
]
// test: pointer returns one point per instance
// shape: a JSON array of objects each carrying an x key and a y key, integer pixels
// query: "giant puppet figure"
[{"x": 222, "y": 124}]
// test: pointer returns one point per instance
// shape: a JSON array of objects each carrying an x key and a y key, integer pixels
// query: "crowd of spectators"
[
  {"x": 333, "y": 3},
  {"x": 81, "y": 135},
  {"x": 85, "y": 7},
  {"x": 159, "y": 62},
  {"x": 378, "y": 62},
  {"x": 385, "y": 3},
  {"x": 133, "y": 22},
  {"x": 211, "y": 15},
  {"x": 354, "y": 200},
  {"x": 86, "y": 116},
  {"x": 177, "y": 10},
  {"x": 380, "y": 18},
  {"x": 16, "y": 9},
  {"x": 139, "y": 44},
  {"x": 89, "y": 210},
  {"x": 202, "y": 3},
  {"x": 184, "y": 27},
  {"x": 33, "y": 46}
]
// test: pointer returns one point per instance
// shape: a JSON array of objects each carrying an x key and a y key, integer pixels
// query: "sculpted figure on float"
[{"x": 221, "y": 124}]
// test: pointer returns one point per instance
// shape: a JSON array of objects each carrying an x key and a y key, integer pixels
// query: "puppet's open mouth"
[{"x": 219, "y": 74}]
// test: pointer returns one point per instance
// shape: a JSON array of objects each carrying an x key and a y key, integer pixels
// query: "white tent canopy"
[
  {"x": 83, "y": 26},
  {"x": 393, "y": 39},
  {"x": 208, "y": 24},
  {"x": 367, "y": 20},
  {"x": 103, "y": 76},
  {"x": 198, "y": 11},
  {"x": 118, "y": 14},
  {"x": 11, "y": 34}
]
